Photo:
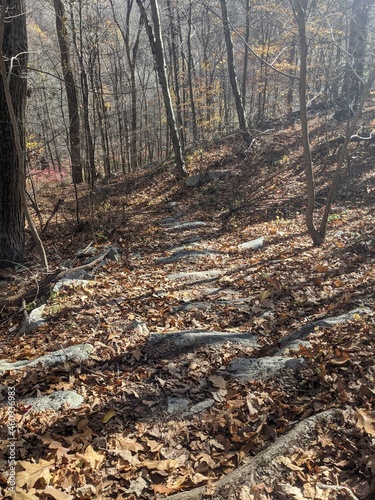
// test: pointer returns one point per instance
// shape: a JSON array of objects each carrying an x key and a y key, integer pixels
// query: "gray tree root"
[{"x": 264, "y": 466}]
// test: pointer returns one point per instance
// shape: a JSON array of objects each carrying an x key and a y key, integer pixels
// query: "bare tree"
[
  {"x": 156, "y": 43},
  {"x": 233, "y": 75},
  {"x": 71, "y": 92}
]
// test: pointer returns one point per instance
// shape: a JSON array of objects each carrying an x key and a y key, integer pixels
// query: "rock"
[
  {"x": 182, "y": 248},
  {"x": 188, "y": 255},
  {"x": 167, "y": 220},
  {"x": 188, "y": 306},
  {"x": 195, "y": 276},
  {"x": 172, "y": 205},
  {"x": 79, "y": 274},
  {"x": 89, "y": 251},
  {"x": 213, "y": 175},
  {"x": 114, "y": 253},
  {"x": 193, "y": 180},
  {"x": 198, "y": 408},
  {"x": 251, "y": 369},
  {"x": 73, "y": 354},
  {"x": 54, "y": 401},
  {"x": 68, "y": 282},
  {"x": 34, "y": 320},
  {"x": 252, "y": 245},
  {"x": 194, "y": 338},
  {"x": 140, "y": 327},
  {"x": 303, "y": 332},
  {"x": 184, "y": 226},
  {"x": 294, "y": 347},
  {"x": 176, "y": 405}
]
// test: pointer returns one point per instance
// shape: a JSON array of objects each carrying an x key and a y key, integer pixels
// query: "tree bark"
[
  {"x": 232, "y": 74},
  {"x": 71, "y": 92},
  {"x": 156, "y": 42},
  {"x": 354, "y": 70},
  {"x": 12, "y": 176},
  {"x": 300, "y": 12}
]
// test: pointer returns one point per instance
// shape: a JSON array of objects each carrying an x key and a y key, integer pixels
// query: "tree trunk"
[
  {"x": 232, "y": 74},
  {"x": 300, "y": 10},
  {"x": 190, "y": 77},
  {"x": 352, "y": 86},
  {"x": 12, "y": 176},
  {"x": 156, "y": 42},
  {"x": 71, "y": 92},
  {"x": 90, "y": 150}
]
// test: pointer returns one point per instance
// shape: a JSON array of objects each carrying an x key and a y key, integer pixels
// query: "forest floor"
[{"x": 125, "y": 441}]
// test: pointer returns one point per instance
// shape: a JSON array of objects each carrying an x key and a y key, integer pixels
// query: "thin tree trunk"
[
  {"x": 71, "y": 92},
  {"x": 156, "y": 42},
  {"x": 232, "y": 74},
  {"x": 300, "y": 9},
  {"x": 190, "y": 77}
]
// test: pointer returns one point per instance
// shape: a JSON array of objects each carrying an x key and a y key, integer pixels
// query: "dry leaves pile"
[{"x": 122, "y": 442}]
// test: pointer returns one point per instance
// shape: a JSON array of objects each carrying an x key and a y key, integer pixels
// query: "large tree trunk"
[
  {"x": 12, "y": 174},
  {"x": 156, "y": 42},
  {"x": 71, "y": 93}
]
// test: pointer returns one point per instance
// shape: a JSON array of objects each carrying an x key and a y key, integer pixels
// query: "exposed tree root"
[{"x": 265, "y": 466}]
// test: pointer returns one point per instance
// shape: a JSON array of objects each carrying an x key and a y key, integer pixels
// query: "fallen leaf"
[
  {"x": 33, "y": 473},
  {"x": 365, "y": 421},
  {"x": 91, "y": 458},
  {"x": 107, "y": 417}
]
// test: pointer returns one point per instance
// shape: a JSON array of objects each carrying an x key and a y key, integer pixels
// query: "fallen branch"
[
  {"x": 45, "y": 285},
  {"x": 264, "y": 467}
]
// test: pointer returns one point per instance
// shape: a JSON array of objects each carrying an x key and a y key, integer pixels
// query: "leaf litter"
[{"x": 122, "y": 442}]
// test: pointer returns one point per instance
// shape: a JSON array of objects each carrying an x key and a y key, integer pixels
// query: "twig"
[{"x": 338, "y": 488}]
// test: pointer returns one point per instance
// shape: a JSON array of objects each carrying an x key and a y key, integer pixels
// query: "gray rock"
[
  {"x": 213, "y": 175},
  {"x": 172, "y": 205},
  {"x": 252, "y": 245},
  {"x": 303, "y": 332},
  {"x": 193, "y": 180},
  {"x": 251, "y": 369},
  {"x": 68, "y": 282},
  {"x": 188, "y": 255},
  {"x": 74, "y": 353},
  {"x": 188, "y": 306},
  {"x": 294, "y": 347},
  {"x": 140, "y": 327},
  {"x": 184, "y": 226},
  {"x": 194, "y": 338},
  {"x": 183, "y": 248},
  {"x": 34, "y": 320},
  {"x": 54, "y": 401},
  {"x": 176, "y": 405},
  {"x": 167, "y": 220},
  {"x": 195, "y": 276},
  {"x": 79, "y": 274},
  {"x": 198, "y": 408}
]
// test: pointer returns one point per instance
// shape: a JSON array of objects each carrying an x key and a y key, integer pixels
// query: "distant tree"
[
  {"x": 71, "y": 92},
  {"x": 233, "y": 75},
  {"x": 356, "y": 53},
  {"x": 156, "y": 43}
]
